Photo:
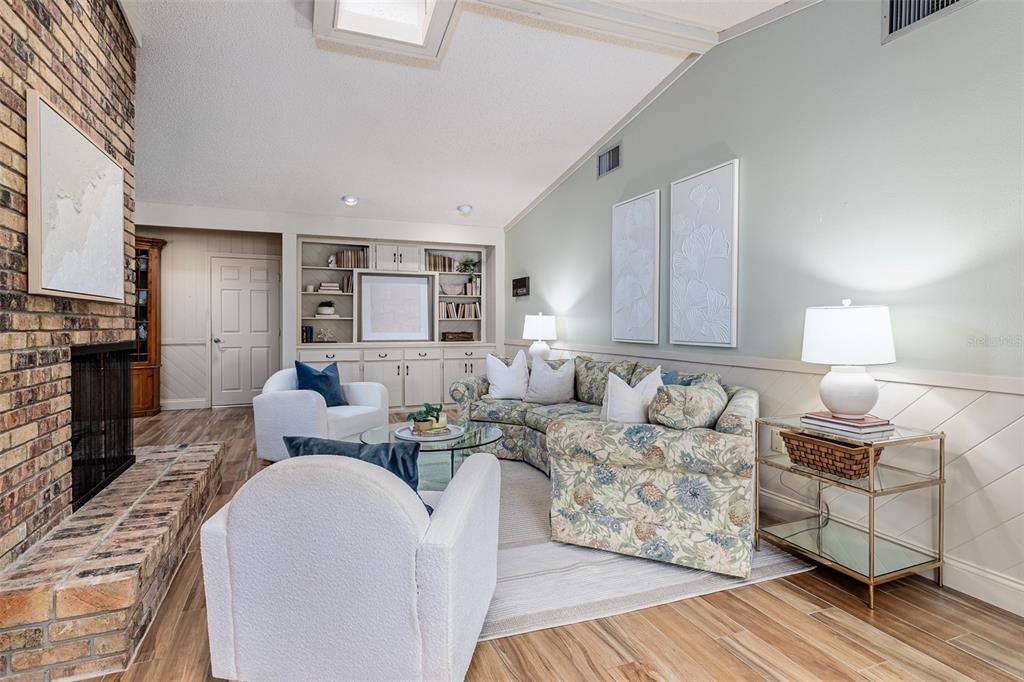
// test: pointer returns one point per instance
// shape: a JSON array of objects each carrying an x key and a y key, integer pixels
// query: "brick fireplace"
[{"x": 81, "y": 56}]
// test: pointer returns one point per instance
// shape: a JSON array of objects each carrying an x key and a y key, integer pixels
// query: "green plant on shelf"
[
  {"x": 468, "y": 266},
  {"x": 326, "y": 303}
]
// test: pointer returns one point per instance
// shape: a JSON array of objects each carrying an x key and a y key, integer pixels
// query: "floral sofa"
[{"x": 679, "y": 496}]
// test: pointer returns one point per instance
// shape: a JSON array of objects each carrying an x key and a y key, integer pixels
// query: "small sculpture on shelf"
[
  {"x": 332, "y": 261},
  {"x": 325, "y": 336}
]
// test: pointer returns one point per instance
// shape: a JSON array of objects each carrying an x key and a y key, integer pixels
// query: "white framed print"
[
  {"x": 394, "y": 307},
  {"x": 703, "y": 281},
  {"x": 636, "y": 236}
]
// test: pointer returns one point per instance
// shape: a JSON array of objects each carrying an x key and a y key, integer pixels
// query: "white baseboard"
[
  {"x": 981, "y": 583},
  {"x": 184, "y": 404}
]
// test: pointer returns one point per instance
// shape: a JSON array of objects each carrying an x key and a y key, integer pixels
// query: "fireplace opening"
[{"x": 101, "y": 417}]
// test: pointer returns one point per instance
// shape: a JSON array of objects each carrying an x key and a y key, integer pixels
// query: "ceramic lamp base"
[
  {"x": 848, "y": 392},
  {"x": 539, "y": 351}
]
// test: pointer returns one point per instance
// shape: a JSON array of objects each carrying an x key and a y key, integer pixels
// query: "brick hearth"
[{"x": 80, "y": 600}]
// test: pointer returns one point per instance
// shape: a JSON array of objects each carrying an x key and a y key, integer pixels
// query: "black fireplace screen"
[{"x": 101, "y": 417}]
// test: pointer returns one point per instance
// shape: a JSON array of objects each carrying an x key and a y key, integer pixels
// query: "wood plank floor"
[{"x": 812, "y": 626}]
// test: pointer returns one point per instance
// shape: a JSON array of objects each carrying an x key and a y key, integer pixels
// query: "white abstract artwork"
[
  {"x": 636, "y": 227},
  {"x": 703, "y": 284},
  {"x": 395, "y": 308},
  {"x": 76, "y": 211}
]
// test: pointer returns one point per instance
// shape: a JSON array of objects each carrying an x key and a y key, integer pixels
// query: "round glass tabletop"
[{"x": 477, "y": 435}]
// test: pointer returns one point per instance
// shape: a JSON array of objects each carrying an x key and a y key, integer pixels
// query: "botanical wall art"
[
  {"x": 703, "y": 286},
  {"x": 75, "y": 210},
  {"x": 636, "y": 227}
]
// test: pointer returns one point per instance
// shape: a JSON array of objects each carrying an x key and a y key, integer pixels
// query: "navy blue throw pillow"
[
  {"x": 401, "y": 459},
  {"x": 324, "y": 381}
]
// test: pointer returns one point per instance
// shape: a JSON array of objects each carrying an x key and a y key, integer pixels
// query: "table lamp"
[
  {"x": 848, "y": 337},
  {"x": 540, "y": 328}
]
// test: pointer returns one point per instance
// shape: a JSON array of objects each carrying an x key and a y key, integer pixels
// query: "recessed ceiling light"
[
  {"x": 350, "y": 200},
  {"x": 464, "y": 209}
]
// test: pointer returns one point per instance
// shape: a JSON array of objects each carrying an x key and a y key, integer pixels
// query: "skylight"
[{"x": 406, "y": 21}]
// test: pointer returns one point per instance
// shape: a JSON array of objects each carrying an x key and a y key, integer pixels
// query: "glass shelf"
[
  {"x": 888, "y": 479},
  {"x": 900, "y": 435},
  {"x": 847, "y": 546}
]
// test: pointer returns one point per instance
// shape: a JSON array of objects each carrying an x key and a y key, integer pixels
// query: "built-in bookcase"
[{"x": 459, "y": 299}]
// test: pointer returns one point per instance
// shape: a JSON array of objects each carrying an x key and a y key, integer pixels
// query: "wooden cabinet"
[
  {"x": 350, "y": 368},
  {"x": 387, "y": 372},
  {"x": 422, "y": 382},
  {"x": 146, "y": 356},
  {"x": 398, "y": 257}
]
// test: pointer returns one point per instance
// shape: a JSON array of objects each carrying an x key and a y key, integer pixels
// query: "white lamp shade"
[
  {"x": 848, "y": 335},
  {"x": 539, "y": 327}
]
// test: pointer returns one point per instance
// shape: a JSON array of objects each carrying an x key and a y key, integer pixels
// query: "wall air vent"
[
  {"x": 900, "y": 16},
  {"x": 608, "y": 160}
]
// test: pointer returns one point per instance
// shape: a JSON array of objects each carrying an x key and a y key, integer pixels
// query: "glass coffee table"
[{"x": 476, "y": 436}]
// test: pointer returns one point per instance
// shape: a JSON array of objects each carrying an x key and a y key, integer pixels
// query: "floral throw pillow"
[
  {"x": 674, "y": 376},
  {"x": 592, "y": 377},
  {"x": 688, "y": 407}
]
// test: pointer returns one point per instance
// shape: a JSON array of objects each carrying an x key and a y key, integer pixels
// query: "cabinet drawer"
[
  {"x": 389, "y": 354},
  {"x": 477, "y": 353},
  {"x": 325, "y": 355},
  {"x": 422, "y": 353}
]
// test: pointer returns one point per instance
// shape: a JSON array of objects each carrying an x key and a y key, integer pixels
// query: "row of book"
[
  {"x": 353, "y": 258},
  {"x": 439, "y": 263},
  {"x": 473, "y": 287},
  {"x": 460, "y": 311},
  {"x": 342, "y": 287},
  {"x": 869, "y": 425}
]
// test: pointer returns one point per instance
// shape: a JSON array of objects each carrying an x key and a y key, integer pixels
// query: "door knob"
[{"x": 216, "y": 339}]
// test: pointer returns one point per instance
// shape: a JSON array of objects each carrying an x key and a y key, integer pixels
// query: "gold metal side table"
[{"x": 846, "y": 545}]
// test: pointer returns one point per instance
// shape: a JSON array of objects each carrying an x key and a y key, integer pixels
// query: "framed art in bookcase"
[{"x": 395, "y": 307}]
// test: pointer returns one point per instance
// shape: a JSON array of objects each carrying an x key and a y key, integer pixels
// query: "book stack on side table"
[{"x": 867, "y": 428}]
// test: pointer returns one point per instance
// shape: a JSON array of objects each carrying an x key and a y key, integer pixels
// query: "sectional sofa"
[{"x": 683, "y": 496}]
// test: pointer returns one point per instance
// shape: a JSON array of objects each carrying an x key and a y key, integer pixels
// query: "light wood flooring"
[{"x": 812, "y": 626}]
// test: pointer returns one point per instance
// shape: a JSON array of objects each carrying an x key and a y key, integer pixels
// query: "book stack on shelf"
[
  {"x": 460, "y": 311},
  {"x": 329, "y": 288},
  {"x": 867, "y": 428},
  {"x": 352, "y": 258},
  {"x": 440, "y": 263},
  {"x": 473, "y": 287}
]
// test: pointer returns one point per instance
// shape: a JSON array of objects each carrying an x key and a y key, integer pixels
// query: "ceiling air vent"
[
  {"x": 607, "y": 161},
  {"x": 899, "y": 16}
]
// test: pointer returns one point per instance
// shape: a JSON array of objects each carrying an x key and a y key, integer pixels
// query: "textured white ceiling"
[{"x": 238, "y": 108}]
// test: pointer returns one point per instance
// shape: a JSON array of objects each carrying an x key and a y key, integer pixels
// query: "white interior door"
[{"x": 245, "y": 326}]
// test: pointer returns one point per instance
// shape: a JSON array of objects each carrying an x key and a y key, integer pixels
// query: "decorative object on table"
[
  {"x": 703, "y": 272},
  {"x": 429, "y": 421},
  {"x": 453, "y": 288},
  {"x": 520, "y": 287},
  {"x": 75, "y": 210},
  {"x": 456, "y": 337},
  {"x": 636, "y": 236},
  {"x": 507, "y": 382},
  {"x": 394, "y": 307},
  {"x": 831, "y": 457},
  {"x": 468, "y": 266},
  {"x": 541, "y": 328},
  {"x": 450, "y": 432},
  {"x": 324, "y": 335},
  {"x": 325, "y": 307},
  {"x": 867, "y": 426},
  {"x": 847, "y": 337}
]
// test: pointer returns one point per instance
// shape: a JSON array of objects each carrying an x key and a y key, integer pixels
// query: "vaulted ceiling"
[{"x": 238, "y": 107}]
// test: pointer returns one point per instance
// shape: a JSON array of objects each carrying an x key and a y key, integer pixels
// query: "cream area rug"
[{"x": 544, "y": 584}]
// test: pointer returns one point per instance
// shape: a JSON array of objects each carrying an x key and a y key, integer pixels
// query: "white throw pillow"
[
  {"x": 551, "y": 386},
  {"x": 508, "y": 382},
  {"x": 629, "y": 404}
]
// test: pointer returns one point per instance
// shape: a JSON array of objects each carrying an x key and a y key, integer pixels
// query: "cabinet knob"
[
  {"x": 422, "y": 355},
  {"x": 330, "y": 356},
  {"x": 398, "y": 370},
  {"x": 407, "y": 370},
  {"x": 382, "y": 355},
  {"x": 468, "y": 353}
]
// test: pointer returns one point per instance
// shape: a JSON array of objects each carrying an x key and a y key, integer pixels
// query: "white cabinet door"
[
  {"x": 422, "y": 382},
  {"x": 385, "y": 256},
  {"x": 453, "y": 371},
  {"x": 409, "y": 258},
  {"x": 389, "y": 373}
]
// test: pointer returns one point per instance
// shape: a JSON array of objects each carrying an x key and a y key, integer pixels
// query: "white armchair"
[
  {"x": 283, "y": 410},
  {"x": 349, "y": 578}
]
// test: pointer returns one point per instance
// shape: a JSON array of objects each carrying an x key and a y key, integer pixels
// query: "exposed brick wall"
[{"x": 80, "y": 55}]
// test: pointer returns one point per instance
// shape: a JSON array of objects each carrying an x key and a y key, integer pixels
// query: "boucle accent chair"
[
  {"x": 679, "y": 496},
  {"x": 328, "y": 568}
]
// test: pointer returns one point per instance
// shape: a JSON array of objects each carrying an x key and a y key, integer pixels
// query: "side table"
[{"x": 846, "y": 545}]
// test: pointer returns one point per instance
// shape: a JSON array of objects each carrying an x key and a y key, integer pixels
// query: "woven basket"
[{"x": 828, "y": 456}]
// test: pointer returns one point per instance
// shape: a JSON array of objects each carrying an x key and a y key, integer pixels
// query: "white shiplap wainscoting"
[{"x": 984, "y": 457}]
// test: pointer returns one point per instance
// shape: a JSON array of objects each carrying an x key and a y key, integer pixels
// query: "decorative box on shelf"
[{"x": 848, "y": 544}]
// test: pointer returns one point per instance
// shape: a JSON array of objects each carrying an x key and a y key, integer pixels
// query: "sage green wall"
[{"x": 886, "y": 173}]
